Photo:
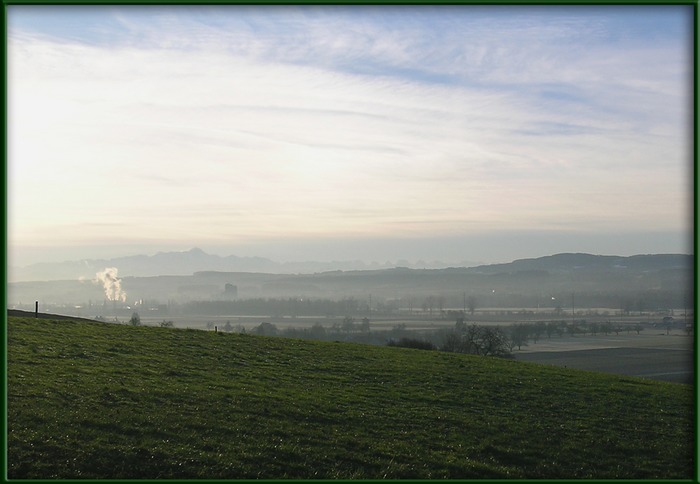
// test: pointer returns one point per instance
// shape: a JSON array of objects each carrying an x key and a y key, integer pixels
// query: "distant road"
[{"x": 666, "y": 364}]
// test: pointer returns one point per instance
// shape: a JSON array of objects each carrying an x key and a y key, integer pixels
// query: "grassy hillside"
[{"x": 100, "y": 400}]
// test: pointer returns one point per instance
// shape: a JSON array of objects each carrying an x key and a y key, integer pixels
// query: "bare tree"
[
  {"x": 266, "y": 329},
  {"x": 429, "y": 304},
  {"x": 471, "y": 304},
  {"x": 135, "y": 319},
  {"x": 317, "y": 331},
  {"x": 440, "y": 303},
  {"x": 519, "y": 335},
  {"x": 348, "y": 324},
  {"x": 493, "y": 342},
  {"x": 452, "y": 342}
]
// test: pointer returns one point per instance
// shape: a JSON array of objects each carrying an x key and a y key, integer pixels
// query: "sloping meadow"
[{"x": 99, "y": 400}]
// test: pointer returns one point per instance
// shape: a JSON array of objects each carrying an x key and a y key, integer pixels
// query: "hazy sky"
[{"x": 376, "y": 133}]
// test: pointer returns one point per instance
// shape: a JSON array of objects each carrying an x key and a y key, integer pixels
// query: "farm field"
[
  {"x": 655, "y": 355},
  {"x": 651, "y": 354},
  {"x": 656, "y": 364},
  {"x": 95, "y": 400}
]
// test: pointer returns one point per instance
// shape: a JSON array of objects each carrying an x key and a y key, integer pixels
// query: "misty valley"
[
  {"x": 393, "y": 373},
  {"x": 530, "y": 308},
  {"x": 289, "y": 241}
]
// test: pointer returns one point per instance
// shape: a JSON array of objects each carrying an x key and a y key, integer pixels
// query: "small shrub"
[
  {"x": 135, "y": 320},
  {"x": 412, "y": 343}
]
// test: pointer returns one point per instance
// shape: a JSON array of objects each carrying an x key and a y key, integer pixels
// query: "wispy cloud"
[{"x": 241, "y": 123}]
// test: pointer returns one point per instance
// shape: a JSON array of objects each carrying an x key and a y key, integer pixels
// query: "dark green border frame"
[
  {"x": 512, "y": 3},
  {"x": 694, "y": 168}
]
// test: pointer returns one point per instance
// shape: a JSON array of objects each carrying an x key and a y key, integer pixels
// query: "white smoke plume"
[{"x": 111, "y": 283}]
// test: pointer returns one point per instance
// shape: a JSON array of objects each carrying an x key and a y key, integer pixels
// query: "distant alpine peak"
[{"x": 195, "y": 260}]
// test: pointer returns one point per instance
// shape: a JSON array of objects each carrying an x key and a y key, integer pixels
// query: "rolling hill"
[
  {"x": 658, "y": 281},
  {"x": 186, "y": 263},
  {"x": 98, "y": 400}
]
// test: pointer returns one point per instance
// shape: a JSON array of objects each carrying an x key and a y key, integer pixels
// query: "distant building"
[{"x": 231, "y": 291}]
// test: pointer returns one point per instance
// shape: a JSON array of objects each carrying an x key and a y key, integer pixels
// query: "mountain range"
[
  {"x": 643, "y": 281},
  {"x": 196, "y": 260}
]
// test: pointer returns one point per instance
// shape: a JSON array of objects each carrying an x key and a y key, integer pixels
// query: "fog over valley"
[
  {"x": 196, "y": 260},
  {"x": 361, "y": 173},
  {"x": 643, "y": 282},
  {"x": 282, "y": 134},
  {"x": 350, "y": 241}
]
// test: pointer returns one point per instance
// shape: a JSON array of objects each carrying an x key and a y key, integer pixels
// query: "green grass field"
[{"x": 95, "y": 400}]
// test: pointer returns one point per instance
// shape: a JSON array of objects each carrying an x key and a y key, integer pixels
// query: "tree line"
[
  {"x": 465, "y": 338},
  {"x": 277, "y": 307}
]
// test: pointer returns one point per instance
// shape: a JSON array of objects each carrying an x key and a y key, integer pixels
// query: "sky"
[{"x": 376, "y": 133}]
